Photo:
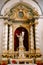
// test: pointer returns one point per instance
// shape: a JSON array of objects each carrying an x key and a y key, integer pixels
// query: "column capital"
[{"x": 8, "y": 22}]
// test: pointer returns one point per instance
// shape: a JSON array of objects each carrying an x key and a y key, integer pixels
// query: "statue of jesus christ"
[{"x": 21, "y": 38}]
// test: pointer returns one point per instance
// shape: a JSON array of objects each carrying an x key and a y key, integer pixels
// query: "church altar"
[{"x": 19, "y": 35}]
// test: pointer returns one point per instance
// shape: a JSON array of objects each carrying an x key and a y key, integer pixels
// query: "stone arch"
[{"x": 12, "y": 3}]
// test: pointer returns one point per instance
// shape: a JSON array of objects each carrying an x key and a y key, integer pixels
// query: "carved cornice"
[{"x": 22, "y": 12}]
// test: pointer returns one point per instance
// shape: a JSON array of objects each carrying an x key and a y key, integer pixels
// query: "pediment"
[{"x": 22, "y": 12}]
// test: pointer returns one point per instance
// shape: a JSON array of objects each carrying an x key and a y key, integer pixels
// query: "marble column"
[
  {"x": 37, "y": 40},
  {"x": 32, "y": 39},
  {"x": 10, "y": 38},
  {"x": 5, "y": 36},
  {"x": 37, "y": 37},
  {"x": 29, "y": 41}
]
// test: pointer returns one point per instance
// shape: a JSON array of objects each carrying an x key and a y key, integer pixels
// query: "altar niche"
[{"x": 19, "y": 31}]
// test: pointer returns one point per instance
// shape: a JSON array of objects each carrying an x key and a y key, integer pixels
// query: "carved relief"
[{"x": 22, "y": 12}]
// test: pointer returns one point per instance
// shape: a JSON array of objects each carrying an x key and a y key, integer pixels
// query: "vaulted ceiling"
[{"x": 40, "y": 2}]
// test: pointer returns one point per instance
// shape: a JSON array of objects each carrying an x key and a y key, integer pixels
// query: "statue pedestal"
[{"x": 21, "y": 52}]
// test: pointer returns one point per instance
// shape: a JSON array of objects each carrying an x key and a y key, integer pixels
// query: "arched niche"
[{"x": 16, "y": 39}]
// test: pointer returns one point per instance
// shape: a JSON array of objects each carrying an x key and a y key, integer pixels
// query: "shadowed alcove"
[{"x": 16, "y": 40}]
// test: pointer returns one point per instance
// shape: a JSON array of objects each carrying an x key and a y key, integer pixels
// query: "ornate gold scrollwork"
[{"x": 22, "y": 12}]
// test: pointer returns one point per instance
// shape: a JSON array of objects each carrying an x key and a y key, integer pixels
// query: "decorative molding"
[
  {"x": 22, "y": 12},
  {"x": 38, "y": 5}
]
